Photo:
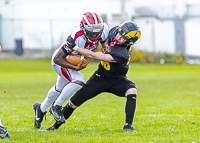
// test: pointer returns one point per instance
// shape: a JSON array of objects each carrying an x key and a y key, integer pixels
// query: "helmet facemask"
[{"x": 120, "y": 39}]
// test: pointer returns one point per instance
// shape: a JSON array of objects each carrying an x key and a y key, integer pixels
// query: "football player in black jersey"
[{"x": 111, "y": 74}]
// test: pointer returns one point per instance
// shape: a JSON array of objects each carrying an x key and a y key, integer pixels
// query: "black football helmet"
[{"x": 130, "y": 31}]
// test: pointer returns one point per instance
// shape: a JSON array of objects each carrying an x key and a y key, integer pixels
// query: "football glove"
[{"x": 70, "y": 42}]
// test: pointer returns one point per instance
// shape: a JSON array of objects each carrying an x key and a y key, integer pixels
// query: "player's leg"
[
  {"x": 131, "y": 95},
  {"x": 91, "y": 89},
  {"x": 126, "y": 88},
  {"x": 67, "y": 112},
  {"x": 53, "y": 93},
  {"x": 77, "y": 81}
]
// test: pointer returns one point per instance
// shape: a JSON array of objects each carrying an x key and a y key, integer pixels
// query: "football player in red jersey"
[
  {"x": 88, "y": 35},
  {"x": 111, "y": 73}
]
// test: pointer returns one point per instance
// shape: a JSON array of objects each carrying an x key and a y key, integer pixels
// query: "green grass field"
[{"x": 168, "y": 105}]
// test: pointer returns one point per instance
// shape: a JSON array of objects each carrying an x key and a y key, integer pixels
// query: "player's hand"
[
  {"x": 84, "y": 65},
  {"x": 106, "y": 49},
  {"x": 81, "y": 65}
]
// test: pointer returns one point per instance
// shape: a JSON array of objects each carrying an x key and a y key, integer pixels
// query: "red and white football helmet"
[{"x": 92, "y": 26}]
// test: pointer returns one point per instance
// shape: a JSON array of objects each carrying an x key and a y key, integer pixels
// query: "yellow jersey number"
[{"x": 106, "y": 65}]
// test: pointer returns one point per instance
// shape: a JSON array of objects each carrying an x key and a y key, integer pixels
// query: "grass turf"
[{"x": 167, "y": 106}]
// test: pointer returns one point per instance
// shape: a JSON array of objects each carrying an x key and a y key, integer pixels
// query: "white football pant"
[{"x": 64, "y": 87}]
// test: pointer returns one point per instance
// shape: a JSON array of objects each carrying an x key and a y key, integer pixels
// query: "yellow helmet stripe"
[
  {"x": 132, "y": 34},
  {"x": 122, "y": 24}
]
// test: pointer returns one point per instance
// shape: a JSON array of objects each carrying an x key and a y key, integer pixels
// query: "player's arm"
[
  {"x": 95, "y": 55},
  {"x": 106, "y": 49},
  {"x": 89, "y": 54},
  {"x": 60, "y": 59}
]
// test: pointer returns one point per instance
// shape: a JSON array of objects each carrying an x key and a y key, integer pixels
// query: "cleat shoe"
[
  {"x": 8, "y": 135},
  {"x": 49, "y": 129},
  {"x": 38, "y": 115},
  {"x": 3, "y": 132},
  {"x": 129, "y": 127},
  {"x": 57, "y": 113}
]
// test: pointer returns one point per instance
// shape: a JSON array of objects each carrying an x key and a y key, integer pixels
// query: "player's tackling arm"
[{"x": 95, "y": 55}]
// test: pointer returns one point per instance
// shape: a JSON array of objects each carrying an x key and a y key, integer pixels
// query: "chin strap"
[
  {"x": 93, "y": 43},
  {"x": 114, "y": 43}
]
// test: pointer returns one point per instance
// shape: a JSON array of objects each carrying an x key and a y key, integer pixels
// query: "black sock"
[
  {"x": 67, "y": 112},
  {"x": 130, "y": 108},
  {"x": 57, "y": 124}
]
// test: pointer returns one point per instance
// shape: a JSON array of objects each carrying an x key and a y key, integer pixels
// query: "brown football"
[{"x": 75, "y": 59}]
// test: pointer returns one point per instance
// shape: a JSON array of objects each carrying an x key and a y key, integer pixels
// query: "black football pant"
[{"x": 98, "y": 84}]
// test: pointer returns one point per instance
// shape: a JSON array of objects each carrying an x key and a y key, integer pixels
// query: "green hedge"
[{"x": 139, "y": 56}]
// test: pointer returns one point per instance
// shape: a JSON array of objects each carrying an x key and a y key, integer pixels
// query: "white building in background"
[{"x": 167, "y": 26}]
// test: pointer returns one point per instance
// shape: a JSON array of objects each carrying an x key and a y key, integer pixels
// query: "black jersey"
[{"x": 121, "y": 54}]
